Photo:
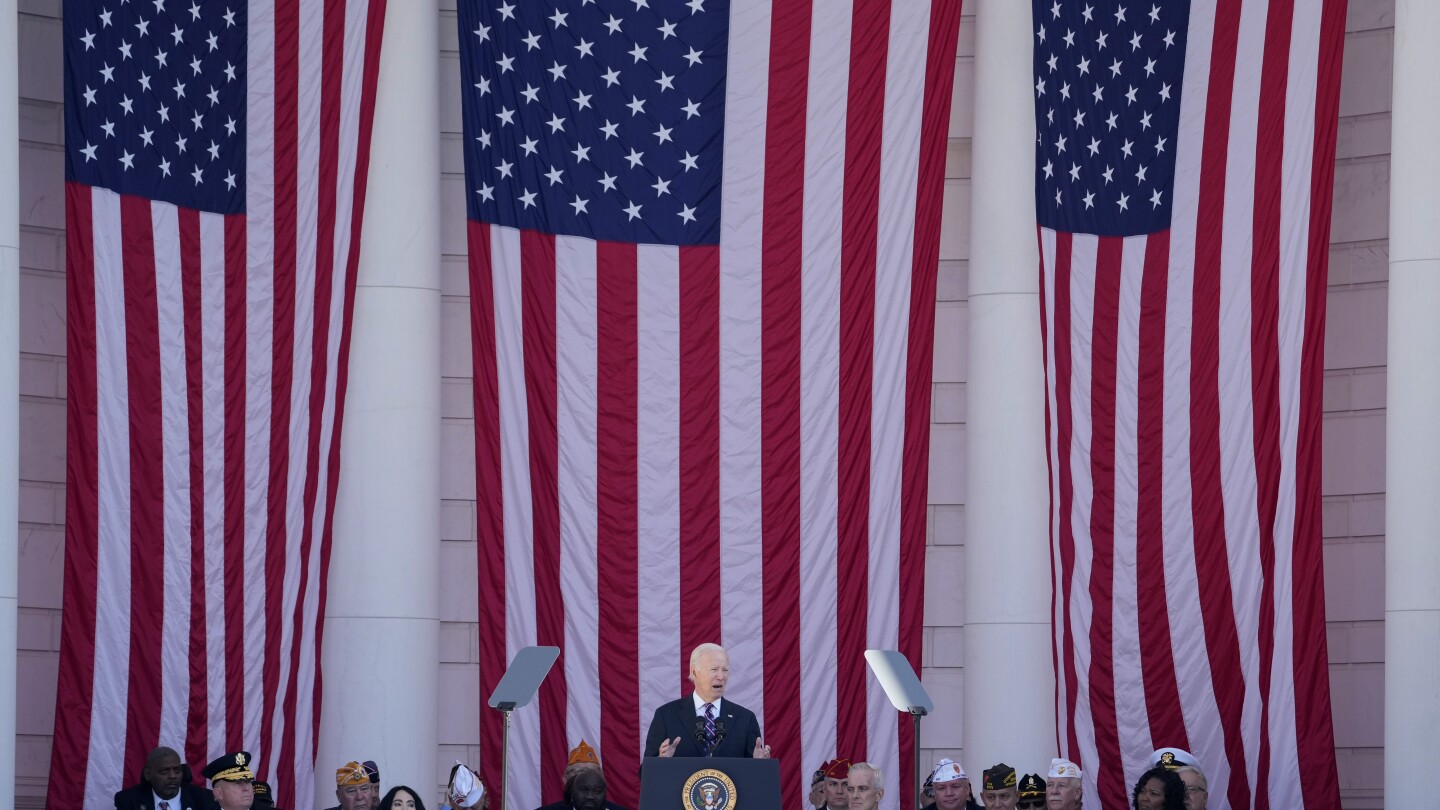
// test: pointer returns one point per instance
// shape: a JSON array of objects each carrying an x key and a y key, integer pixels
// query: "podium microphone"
[{"x": 700, "y": 735}]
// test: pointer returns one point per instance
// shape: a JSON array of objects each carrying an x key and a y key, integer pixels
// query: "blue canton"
[
  {"x": 155, "y": 99},
  {"x": 599, "y": 122},
  {"x": 1107, "y": 112}
]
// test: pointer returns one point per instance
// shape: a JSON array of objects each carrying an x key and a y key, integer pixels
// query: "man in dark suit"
[
  {"x": 163, "y": 787},
  {"x": 705, "y": 724}
]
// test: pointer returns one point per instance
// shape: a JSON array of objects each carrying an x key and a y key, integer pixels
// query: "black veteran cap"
[
  {"x": 230, "y": 768},
  {"x": 999, "y": 777},
  {"x": 1032, "y": 787}
]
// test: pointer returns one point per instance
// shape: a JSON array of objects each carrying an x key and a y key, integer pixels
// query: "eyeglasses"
[
  {"x": 1033, "y": 804},
  {"x": 1194, "y": 790}
]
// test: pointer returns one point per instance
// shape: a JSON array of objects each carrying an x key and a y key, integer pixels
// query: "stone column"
[
  {"x": 1412, "y": 430},
  {"x": 9, "y": 385},
  {"x": 382, "y": 629},
  {"x": 1009, "y": 685}
]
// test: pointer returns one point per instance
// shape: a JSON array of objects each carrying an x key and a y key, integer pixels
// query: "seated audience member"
[
  {"x": 1171, "y": 759},
  {"x": 864, "y": 786},
  {"x": 163, "y": 786},
  {"x": 1032, "y": 793},
  {"x": 836, "y": 773},
  {"x": 353, "y": 788},
  {"x": 231, "y": 779},
  {"x": 998, "y": 787},
  {"x": 264, "y": 797},
  {"x": 466, "y": 790},
  {"x": 952, "y": 787},
  {"x": 1159, "y": 789},
  {"x": 584, "y": 791},
  {"x": 817, "y": 789},
  {"x": 1063, "y": 790},
  {"x": 373, "y": 772},
  {"x": 401, "y": 797},
  {"x": 1197, "y": 788}
]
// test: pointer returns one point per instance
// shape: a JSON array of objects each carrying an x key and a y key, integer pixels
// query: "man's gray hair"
[
  {"x": 1195, "y": 769},
  {"x": 877, "y": 781},
  {"x": 700, "y": 652}
]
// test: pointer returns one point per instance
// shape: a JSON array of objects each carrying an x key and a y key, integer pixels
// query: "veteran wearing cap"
[
  {"x": 816, "y": 800},
  {"x": 837, "y": 776},
  {"x": 466, "y": 790},
  {"x": 952, "y": 787},
  {"x": 231, "y": 779},
  {"x": 357, "y": 786},
  {"x": 1062, "y": 785},
  {"x": 1032, "y": 792},
  {"x": 373, "y": 772},
  {"x": 998, "y": 787},
  {"x": 264, "y": 796},
  {"x": 585, "y": 783}
]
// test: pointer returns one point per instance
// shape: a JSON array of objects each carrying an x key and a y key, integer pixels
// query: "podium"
[{"x": 709, "y": 783}]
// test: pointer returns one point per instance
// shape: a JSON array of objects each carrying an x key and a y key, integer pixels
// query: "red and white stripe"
[
  {"x": 1184, "y": 372},
  {"x": 207, "y": 374},
  {"x": 727, "y": 444}
]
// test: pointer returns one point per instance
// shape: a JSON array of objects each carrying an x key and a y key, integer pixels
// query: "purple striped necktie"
[{"x": 709, "y": 727}]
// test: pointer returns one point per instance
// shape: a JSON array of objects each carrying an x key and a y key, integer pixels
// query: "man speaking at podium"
[{"x": 705, "y": 724}]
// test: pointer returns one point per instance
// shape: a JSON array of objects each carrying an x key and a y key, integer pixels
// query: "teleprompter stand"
[
  {"x": 516, "y": 689},
  {"x": 906, "y": 694}
]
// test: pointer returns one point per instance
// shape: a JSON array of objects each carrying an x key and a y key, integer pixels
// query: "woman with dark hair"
[
  {"x": 402, "y": 798},
  {"x": 1159, "y": 789}
]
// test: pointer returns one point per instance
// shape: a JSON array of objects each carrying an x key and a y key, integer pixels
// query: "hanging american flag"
[
  {"x": 1184, "y": 167},
  {"x": 703, "y": 240},
  {"x": 215, "y": 160}
]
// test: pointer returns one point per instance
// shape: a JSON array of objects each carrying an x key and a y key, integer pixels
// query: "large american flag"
[
  {"x": 215, "y": 160},
  {"x": 1184, "y": 166},
  {"x": 703, "y": 239}
]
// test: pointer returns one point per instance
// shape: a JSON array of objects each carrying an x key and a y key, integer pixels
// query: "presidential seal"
[{"x": 709, "y": 790}]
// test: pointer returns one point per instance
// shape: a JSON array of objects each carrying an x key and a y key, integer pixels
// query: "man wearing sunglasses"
[{"x": 1032, "y": 793}]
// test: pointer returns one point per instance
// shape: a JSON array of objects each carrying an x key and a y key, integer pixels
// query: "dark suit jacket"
[
  {"x": 142, "y": 797},
  {"x": 677, "y": 719},
  {"x": 564, "y": 805}
]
